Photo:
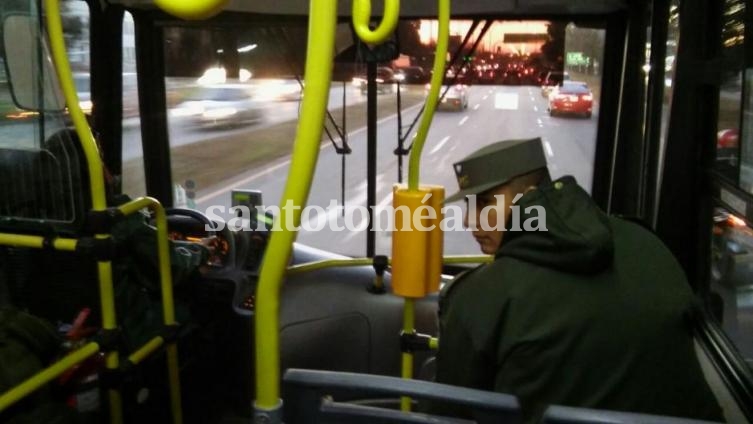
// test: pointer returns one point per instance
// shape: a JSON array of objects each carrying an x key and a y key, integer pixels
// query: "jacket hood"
[{"x": 578, "y": 236}]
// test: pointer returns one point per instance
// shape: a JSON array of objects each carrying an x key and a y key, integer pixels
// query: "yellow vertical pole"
[
  {"x": 96, "y": 184},
  {"x": 320, "y": 54}
]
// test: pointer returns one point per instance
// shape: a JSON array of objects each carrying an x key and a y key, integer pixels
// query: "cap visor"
[{"x": 462, "y": 194}]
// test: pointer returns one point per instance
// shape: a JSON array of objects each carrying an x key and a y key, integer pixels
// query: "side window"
[
  {"x": 732, "y": 240},
  {"x": 133, "y": 166}
]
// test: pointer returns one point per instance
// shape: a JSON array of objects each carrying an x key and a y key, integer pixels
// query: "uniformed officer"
[{"x": 583, "y": 310}]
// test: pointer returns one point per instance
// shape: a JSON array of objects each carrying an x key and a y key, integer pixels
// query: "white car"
[
  {"x": 221, "y": 105},
  {"x": 456, "y": 97}
]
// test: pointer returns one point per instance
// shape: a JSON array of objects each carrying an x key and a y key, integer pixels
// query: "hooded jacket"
[{"x": 589, "y": 313}]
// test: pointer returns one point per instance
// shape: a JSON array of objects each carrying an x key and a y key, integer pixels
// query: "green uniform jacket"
[{"x": 590, "y": 313}]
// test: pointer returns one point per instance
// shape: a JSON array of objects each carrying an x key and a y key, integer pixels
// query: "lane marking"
[
  {"x": 548, "y": 149},
  {"x": 485, "y": 97},
  {"x": 538, "y": 121},
  {"x": 285, "y": 162},
  {"x": 476, "y": 107},
  {"x": 440, "y": 145},
  {"x": 462, "y": 121},
  {"x": 506, "y": 101},
  {"x": 536, "y": 108}
]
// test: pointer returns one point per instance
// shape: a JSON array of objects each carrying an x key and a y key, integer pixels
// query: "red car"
[{"x": 571, "y": 97}]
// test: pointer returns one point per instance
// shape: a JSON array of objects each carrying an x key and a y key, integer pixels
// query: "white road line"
[
  {"x": 536, "y": 108},
  {"x": 462, "y": 121},
  {"x": 548, "y": 149},
  {"x": 485, "y": 97},
  {"x": 538, "y": 121},
  {"x": 440, "y": 145},
  {"x": 476, "y": 107},
  {"x": 273, "y": 168}
]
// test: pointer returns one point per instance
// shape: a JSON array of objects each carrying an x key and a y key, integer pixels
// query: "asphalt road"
[
  {"x": 182, "y": 131},
  {"x": 494, "y": 113}
]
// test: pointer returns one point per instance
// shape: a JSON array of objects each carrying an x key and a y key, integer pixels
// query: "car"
[
  {"x": 81, "y": 80},
  {"x": 411, "y": 75},
  {"x": 551, "y": 80},
  {"x": 385, "y": 79},
  {"x": 728, "y": 146},
  {"x": 456, "y": 96},
  {"x": 571, "y": 97},
  {"x": 284, "y": 89},
  {"x": 220, "y": 105}
]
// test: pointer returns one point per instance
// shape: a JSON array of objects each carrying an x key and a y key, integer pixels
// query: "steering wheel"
[{"x": 225, "y": 234}]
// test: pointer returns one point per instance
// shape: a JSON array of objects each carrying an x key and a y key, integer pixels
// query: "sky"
[{"x": 494, "y": 37}]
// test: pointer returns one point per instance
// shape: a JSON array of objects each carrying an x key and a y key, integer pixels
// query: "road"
[
  {"x": 183, "y": 132},
  {"x": 494, "y": 113}
]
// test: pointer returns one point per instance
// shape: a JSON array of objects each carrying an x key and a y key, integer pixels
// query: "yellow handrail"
[
  {"x": 440, "y": 58},
  {"x": 362, "y": 16},
  {"x": 36, "y": 242},
  {"x": 96, "y": 183},
  {"x": 166, "y": 286},
  {"x": 352, "y": 262},
  {"x": 45, "y": 376},
  {"x": 320, "y": 49}
]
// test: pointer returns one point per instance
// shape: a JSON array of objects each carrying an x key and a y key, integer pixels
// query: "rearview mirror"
[{"x": 31, "y": 75}]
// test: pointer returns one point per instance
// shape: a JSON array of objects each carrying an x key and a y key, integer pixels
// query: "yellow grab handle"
[
  {"x": 362, "y": 16},
  {"x": 191, "y": 10}
]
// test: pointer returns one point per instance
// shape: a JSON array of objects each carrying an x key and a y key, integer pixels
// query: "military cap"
[{"x": 496, "y": 164}]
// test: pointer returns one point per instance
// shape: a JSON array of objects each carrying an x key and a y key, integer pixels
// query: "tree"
[{"x": 553, "y": 50}]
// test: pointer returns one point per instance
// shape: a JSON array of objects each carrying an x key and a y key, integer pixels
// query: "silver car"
[{"x": 221, "y": 105}]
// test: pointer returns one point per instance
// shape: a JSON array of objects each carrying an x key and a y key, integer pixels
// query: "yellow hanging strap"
[
  {"x": 417, "y": 241},
  {"x": 362, "y": 17},
  {"x": 191, "y": 9}
]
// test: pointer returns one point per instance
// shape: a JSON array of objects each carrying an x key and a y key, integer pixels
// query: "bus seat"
[
  {"x": 46, "y": 194},
  {"x": 307, "y": 399},
  {"x": 21, "y": 173},
  {"x": 47, "y": 197},
  {"x": 569, "y": 415}
]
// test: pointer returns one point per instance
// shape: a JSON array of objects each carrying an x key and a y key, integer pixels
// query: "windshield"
[
  {"x": 238, "y": 147},
  {"x": 574, "y": 89}
]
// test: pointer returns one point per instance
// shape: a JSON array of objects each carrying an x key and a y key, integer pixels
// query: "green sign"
[{"x": 577, "y": 58}]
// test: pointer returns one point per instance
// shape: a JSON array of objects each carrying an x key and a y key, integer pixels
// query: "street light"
[{"x": 247, "y": 48}]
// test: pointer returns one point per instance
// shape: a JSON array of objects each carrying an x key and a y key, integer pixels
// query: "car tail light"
[{"x": 727, "y": 138}]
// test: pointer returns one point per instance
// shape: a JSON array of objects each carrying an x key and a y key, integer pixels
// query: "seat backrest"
[
  {"x": 569, "y": 415},
  {"x": 45, "y": 192},
  {"x": 308, "y": 398}
]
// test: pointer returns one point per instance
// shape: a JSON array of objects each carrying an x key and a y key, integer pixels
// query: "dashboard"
[{"x": 229, "y": 250}]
